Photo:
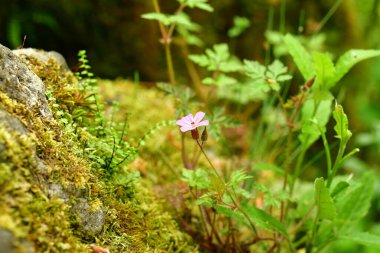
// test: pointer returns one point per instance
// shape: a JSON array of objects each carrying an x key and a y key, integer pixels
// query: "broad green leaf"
[
  {"x": 163, "y": 18},
  {"x": 349, "y": 59},
  {"x": 341, "y": 127},
  {"x": 200, "y": 4},
  {"x": 323, "y": 200},
  {"x": 239, "y": 26},
  {"x": 342, "y": 185},
  {"x": 300, "y": 56},
  {"x": 354, "y": 204},
  {"x": 263, "y": 219},
  {"x": 314, "y": 114},
  {"x": 324, "y": 70},
  {"x": 363, "y": 238}
]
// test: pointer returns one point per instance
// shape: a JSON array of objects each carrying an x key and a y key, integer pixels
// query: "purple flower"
[{"x": 189, "y": 122}]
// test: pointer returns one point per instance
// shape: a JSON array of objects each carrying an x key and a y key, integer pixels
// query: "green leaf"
[
  {"x": 349, "y": 59},
  {"x": 323, "y": 200},
  {"x": 342, "y": 185},
  {"x": 239, "y": 26},
  {"x": 200, "y": 4},
  {"x": 341, "y": 127},
  {"x": 254, "y": 69},
  {"x": 236, "y": 215},
  {"x": 314, "y": 115},
  {"x": 238, "y": 176},
  {"x": 268, "y": 166},
  {"x": 263, "y": 219},
  {"x": 324, "y": 70},
  {"x": 196, "y": 178},
  {"x": 355, "y": 203},
  {"x": 160, "y": 17},
  {"x": 217, "y": 59},
  {"x": 300, "y": 56},
  {"x": 363, "y": 238}
]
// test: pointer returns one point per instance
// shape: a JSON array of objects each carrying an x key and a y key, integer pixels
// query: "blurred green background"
[{"x": 120, "y": 43}]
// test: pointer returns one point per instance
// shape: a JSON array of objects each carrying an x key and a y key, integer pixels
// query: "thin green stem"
[
  {"x": 166, "y": 39},
  {"x": 169, "y": 62},
  {"x": 327, "y": 151},
  {"x": 337, "y": 162},
  {"x": 329, "y": 14},
  {"x": 228, "y": 192},
  {"x": 310, "y": 244},
  {"x": 300, "y": 159}
]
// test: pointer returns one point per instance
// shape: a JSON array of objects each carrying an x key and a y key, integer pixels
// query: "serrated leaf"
[
  {"x": 254, "y": 69},
  {"x": 200, "y": 4},
  {"x": 206, "y": 200},
  {"x": 363, "y": 238},
  {"x": 201, "y": 60},
  {"x": 163, "y": 18},
  {"x": 325, "y": 205},
  {"x": 349, "y": 59},
  {"x": 196, "y": 178},
  {"x": 239, "y": 26},
  {"x": 341, "y": 127},
  {"x": 263, "y": 219},
  {"x": 300, "y": 56},
  {"x": 355, "y": 203},
  {"x": 238, "y": 176}
]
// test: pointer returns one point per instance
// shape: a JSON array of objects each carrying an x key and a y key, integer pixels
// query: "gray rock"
[
  {"x": 91, "y": 221},
  {"x": 7, "y": 241},
  {"x": 21, "y": 83},
  {"x": 56, "y": 190},
  {"x": 10, "y": 244},
  {"x": 42, "y": 56},
  {"x": 11, "y": 123}
]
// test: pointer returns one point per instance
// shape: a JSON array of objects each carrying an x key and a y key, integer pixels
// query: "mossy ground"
[{"x": 138, "y": 222}]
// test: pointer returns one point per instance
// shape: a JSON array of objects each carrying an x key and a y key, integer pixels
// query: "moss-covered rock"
[{"x": 54, "y": 195}]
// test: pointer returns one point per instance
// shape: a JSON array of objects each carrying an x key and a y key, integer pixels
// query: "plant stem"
[
  {"x": 193, "y": 73},
  {"x": 327, "y": 151},
  {"x": 228, "y": 192},
  {"x": 169, "y": 61},
  {"x": 166, "y": 39},
  {"x": 310, "y": 244},
  {"x": 337, "y": 162},
  {"x": 329, "y": 14}
]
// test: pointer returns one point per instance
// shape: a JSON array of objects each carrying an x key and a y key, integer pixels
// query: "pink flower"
[{"x": 189, "y": 122}]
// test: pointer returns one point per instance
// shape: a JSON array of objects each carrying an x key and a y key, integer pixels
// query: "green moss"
[{"x": 136, "y": 223}]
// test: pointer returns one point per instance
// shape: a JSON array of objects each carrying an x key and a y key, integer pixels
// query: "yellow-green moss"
[{"x": 140, "y": 224}]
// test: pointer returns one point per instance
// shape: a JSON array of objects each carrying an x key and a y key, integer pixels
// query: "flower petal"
[
  {"x": 203, "y": 123},
  {"x": 185, "y": 121},
  {"x": 198, "y": 117},
  {"x": 186, "y": 128},
  {"x": 182, "y": 122}
]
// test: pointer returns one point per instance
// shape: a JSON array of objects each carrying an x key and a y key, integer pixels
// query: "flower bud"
[
  {"x": 195, "y": 134},
  {"x": 204, "y": 135}
]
